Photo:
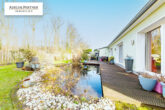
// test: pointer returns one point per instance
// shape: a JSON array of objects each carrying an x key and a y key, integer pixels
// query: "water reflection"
[{"x": 89, "y": 83}]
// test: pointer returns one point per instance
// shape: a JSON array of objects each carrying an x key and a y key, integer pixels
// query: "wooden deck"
[
  {"x": 92, "y": 63},
  {"x": 121, "y": 86}
]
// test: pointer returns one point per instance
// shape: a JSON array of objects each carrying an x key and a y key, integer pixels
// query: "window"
[
  {"x": 153, "y": 51},
  {"x": 121, "y": 53}
]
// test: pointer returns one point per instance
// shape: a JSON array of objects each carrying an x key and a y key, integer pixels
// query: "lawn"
[
  {"x": 9, "y": 77},
  {"x": 126, "y": 106}
]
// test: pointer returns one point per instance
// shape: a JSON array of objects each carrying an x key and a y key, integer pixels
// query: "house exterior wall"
[
  {"x": 110, "y": 53},
  {"x": 103, "y": 52},
  {"x": 134, "y": 40}
]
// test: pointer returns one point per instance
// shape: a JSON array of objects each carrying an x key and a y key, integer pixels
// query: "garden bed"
[{"x": 46, "y": 92}]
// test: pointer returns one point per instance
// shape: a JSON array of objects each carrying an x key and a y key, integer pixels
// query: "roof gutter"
[{"x": 138, "y": 15}]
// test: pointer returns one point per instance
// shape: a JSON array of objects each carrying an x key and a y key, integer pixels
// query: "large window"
[{"x": 153, "y": 51}]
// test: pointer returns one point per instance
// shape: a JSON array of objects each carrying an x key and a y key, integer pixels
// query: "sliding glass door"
[{"x": 153, "y": 51}]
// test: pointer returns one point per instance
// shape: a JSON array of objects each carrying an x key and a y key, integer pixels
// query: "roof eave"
[{"x": 138, "y": 15}]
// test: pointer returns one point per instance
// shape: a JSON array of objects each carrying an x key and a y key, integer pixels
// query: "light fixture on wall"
[{"x": 132, "y": 42}]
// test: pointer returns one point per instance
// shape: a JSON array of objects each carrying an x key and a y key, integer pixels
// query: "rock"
[{"x": 26, "y": 84}]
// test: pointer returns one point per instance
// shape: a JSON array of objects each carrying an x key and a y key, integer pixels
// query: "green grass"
[
  {"x": 126, "y": 106},
  {"x": 9, "y": 77}
]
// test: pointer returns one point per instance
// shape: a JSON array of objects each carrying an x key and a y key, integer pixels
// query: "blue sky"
[{"x": 97, "y": 21}]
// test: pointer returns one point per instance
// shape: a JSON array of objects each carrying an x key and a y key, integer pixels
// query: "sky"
[{"x": 98, "y": 22}]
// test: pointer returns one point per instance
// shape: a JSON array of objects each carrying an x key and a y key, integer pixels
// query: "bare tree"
[
  {"x": 74, "y": 44},
  {"x": 56, "y": 25}
]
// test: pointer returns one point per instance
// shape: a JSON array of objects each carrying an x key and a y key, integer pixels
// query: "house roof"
[{"x": 138, "y": 15}]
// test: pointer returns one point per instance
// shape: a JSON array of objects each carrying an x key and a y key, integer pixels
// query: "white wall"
[
  {"x": 103, "y": 52},
  {"x": 137, "y": 34},
  {"x": 110, "y": 53}
]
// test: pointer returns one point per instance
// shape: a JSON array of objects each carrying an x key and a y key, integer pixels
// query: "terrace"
[{"x": 121, "y": 86}]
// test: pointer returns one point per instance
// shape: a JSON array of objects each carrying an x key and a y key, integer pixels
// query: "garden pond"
[
  {"x": 89, "y": 82},
  {"x": 75, "y": 80}
]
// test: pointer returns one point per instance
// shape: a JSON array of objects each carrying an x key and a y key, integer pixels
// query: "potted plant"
[
  {"x": 111, "y": 60},
  {"x": 18, "y": 58},
  {"x": 163, "y": 86},
  {"x": 158, "y": 86},
  {"x": 22, "y": 55},
  {"x": 28, "y": 54},
  {"x": 147, "y": 81},
  {"x": 20, "y": 62}
]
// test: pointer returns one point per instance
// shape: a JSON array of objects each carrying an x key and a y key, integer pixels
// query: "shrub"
[
  {"x": 111, "y": 58},
  {"x": 17, "y": 55},
  {"x": 85, "y": 54},
  {"x": 27, "y": 54},
  {"x": 22, "y": 54}
]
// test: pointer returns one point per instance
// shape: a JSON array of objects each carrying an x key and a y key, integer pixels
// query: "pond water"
[
  {"x": 89, "y": 82},
  {"x": 74, "y": 80}
]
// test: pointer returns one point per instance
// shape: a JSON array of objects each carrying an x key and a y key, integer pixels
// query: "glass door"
[{"x": 153, "y": 51}]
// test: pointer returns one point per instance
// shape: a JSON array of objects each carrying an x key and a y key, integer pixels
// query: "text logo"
[{"x": 24, "y": 8}]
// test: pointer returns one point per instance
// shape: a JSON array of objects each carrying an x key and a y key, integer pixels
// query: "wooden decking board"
[{"x": 121, "y": 86}]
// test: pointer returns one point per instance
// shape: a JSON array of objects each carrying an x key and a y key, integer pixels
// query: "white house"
[
  {"x": 143, "y": 39},
  {"x": 103, "y": 52}
]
